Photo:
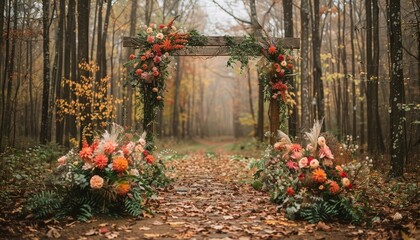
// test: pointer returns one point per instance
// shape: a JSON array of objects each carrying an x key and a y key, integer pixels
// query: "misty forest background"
[{"x": 343, "y": 69}]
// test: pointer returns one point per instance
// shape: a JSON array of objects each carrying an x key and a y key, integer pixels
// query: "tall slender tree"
[
  {"x": 304, "y": 66},
  {"x": 83, "y": 7},
  {"x": 45, "y": 124},
  {"x": 396, "y": 97},
  {"x": 288, "y": 32}
]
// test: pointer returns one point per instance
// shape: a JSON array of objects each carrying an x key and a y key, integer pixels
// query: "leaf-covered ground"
[{"x": 210, "y": 198}]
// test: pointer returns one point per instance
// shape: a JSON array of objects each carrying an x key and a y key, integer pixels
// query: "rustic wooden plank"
[{"x": 219, "y": 41}]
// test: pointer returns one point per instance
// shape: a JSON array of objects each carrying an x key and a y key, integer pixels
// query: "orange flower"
[
  {"x": 166, "y": 45},
  {"x": 86, "y": 152},
  {"x": 334, "y": 188},
  {"x": 272, "y": 49},
  {"x": 120, "y": 164},
  {"x": 123, "y": 188},
  {"x": 294, "y": 147},
  {"x": 319, "y": 175},
  {"x": 149, "y": 159}
]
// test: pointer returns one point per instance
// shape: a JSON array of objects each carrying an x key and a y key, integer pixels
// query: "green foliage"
[
  {"x": 134, "y": 205},
  {"x": 241, "y": 52},
  {"x": 196, "y": 39},
  {"x": 44, "y": 204}
]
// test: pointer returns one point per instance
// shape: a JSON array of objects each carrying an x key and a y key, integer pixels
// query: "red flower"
[
  {"x": 301, "y": 176},
  {"x": 280, "y": 58},
  {"x": 166, "y": 45},
  {"x": 161, "y": 26},
  {"x": 156, "y": 73},
  {"x": 290, "y": 191},
  {"x": 281, "y": 73},
  {"x": 343, "y": 174},
  {"x": 143, "y": 58},
  {"x": 349, "y": 186},
  {"x": 150, "y": 159},
  {"x": 139, "y": 72},
  {"x": 290, "y": 66},
  {"x": 144, "y": 66},
  {"x": 156, "y": 48},
  {"x": 132, "y": 56},
  {"x": 145, "y": 153},
  {"x": 272, "y": 49}
]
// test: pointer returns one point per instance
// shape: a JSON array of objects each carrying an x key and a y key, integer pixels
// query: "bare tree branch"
[{"x": 231, "y": 14}]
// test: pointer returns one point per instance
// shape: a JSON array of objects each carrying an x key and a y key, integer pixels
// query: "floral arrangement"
[
  {"x": 276, "y": 65},
  {"x": 305, "y": 180},
  {"x": 279, "y": 68},
  {"x": 149, "y": 68},
  {"x": 113, "y": 174}
]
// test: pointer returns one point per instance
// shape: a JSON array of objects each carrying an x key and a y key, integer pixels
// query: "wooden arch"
[{"x": 217, "y": 46}]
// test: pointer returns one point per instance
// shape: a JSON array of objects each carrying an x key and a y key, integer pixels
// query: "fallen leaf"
[
  {"x": 91, "y": 232},
  {"x": 227, "y": 217},
  {"x": 103, "y": 225},
  {"x": 157, "y": 223},
  {"x": 176, "y": 224},
  {"x": 151, "y": 235},
  {"x": 144, "y": 228},
  {"x": 53, "y": 233},
  {"x": 323, "y": 227},
  {"x": 103, "y": 230}
]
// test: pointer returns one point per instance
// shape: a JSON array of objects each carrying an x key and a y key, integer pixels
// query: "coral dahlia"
[{"x": 319, "y": 175}]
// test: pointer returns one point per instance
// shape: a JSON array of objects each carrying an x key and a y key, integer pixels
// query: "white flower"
[
  {"x": 149, "y": 30},
  {"x": 321, "y": 141},
  {"x": 134, "y": 172},
  {"x": 159, "y": 36},
  {"x": 303, "y": 162},
  {"x": 283, "y": 63},
  {"x": 314, "y": 163},
  {"x": 173, "y": 28},
  {"x": 345, "y": 181}
]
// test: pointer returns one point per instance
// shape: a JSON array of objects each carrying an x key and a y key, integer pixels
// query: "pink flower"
[
  {"x": 157, "y": 59},
  {"x": 96, "y": 182},
  {"x": 309, "y": 147},
  {"x": 325, "y": 152},
  {"x": 295, "y": 147},
  {"x": 159, "y": 36},
  {"x": 142, "y": 142},
  {"x": 109, "y": 147},
  {"x": 296, "y": 155},
  {"x": 150, "y": 39},
  {"x": 62, "y": 160},
  {"x": 292, "y": 165},
  {"x": 101, "y": 161}
]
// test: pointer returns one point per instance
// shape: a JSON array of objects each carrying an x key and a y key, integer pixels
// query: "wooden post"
[{"x": 274, "y": 117}]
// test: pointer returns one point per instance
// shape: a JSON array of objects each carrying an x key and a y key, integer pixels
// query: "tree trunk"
[
  {"x": 396, "y": 98},
  {"x": 305, "y": 101},
  {"x": 175, "y": 121},
  {"x": 3, "y": 128},
  {"x": 59, "y": 125},
  {"x": 251, "y": 104},
  {"x": 316, "y": 46},
  {"x": 288, "y": 32},
  {"x": 83, "y": 56},
  {"x": 45, "y": 125},
  {"x": 353, "y": 73},
  {"x": 345, "y": 113}
]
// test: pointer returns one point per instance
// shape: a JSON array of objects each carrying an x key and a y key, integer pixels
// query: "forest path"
[{"x": 208, "y": 200}]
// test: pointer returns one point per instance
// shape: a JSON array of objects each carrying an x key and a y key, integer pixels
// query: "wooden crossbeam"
[{"x": 215, "y": 46}]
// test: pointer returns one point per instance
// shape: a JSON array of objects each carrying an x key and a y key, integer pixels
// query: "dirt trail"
[{"x": 207, "y": 201}]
